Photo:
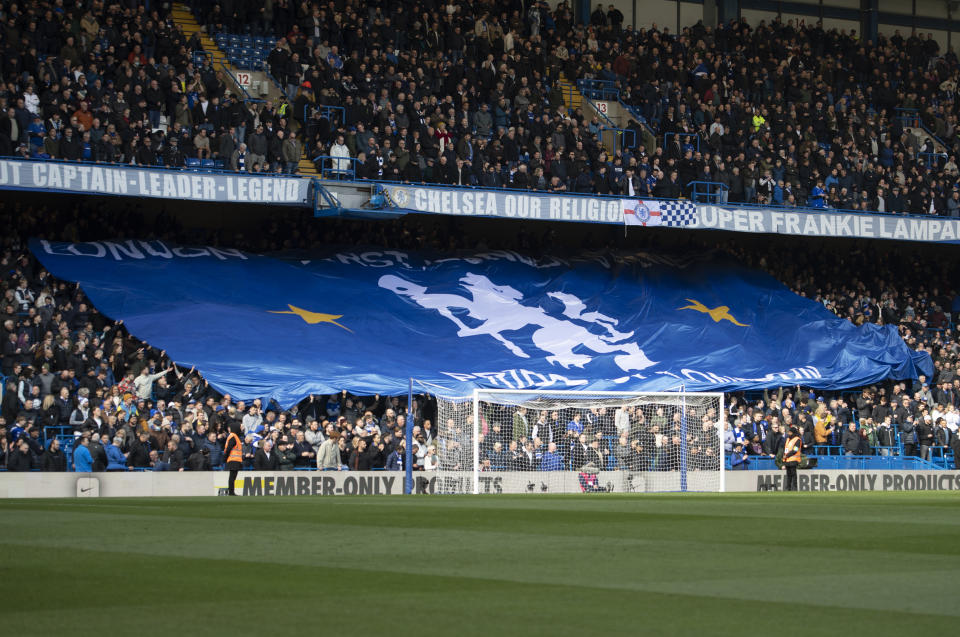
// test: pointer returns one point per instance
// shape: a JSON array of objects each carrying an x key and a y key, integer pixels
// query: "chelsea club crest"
[
  {"x": 642, "y": 212},
  {"x": 399, "y": 196}
]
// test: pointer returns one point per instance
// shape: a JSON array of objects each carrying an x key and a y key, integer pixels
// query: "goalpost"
[{"x": 542, "y": 441}]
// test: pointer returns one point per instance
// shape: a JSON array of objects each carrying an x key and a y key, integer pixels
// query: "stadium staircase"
[
  {"x": 572, "y": 98},
  {"x": 183, "y": 18}
]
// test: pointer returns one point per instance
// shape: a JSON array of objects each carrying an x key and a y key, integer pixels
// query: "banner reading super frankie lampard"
[{"x": 369, "y": 320}]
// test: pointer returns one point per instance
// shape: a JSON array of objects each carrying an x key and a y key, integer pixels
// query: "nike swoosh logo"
[{"x": 87, "y": 489}]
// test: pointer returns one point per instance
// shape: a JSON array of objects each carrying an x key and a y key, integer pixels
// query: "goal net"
[{"x": 507, "y": 441}]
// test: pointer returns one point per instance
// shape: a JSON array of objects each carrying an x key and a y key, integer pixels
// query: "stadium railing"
[
  {"x": 246, "y": 96},
  {"x": 333, "y": 167},
  {"x": 850, "y": 463},
  {"x": 708, "y": 191},
  {"x": 910, "y": 118},
  {"x": 599, "y": 89}
]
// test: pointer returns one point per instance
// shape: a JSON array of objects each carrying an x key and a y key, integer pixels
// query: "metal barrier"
[
  {"x": 933, "y": 159},
  {"x": 337, "y": 168},
  {"x": 599, "y": 89},
  {"x": 908, "y": 117},
  {"x": 337, "y": 115},
  {"x": 707, "y": 191},
  {"x": 246, "y": 96},
  {"x": 847, "y": 463},
  {"x": 637, "y": 116},
  {"x": 620, "y": 137}
]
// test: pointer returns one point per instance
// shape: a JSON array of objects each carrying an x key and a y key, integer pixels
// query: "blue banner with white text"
[{"x": 369, "y": 320}]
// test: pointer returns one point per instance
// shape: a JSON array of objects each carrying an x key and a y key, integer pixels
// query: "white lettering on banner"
[
  {"x": 827, "y": 224},
  {"x": 165, "y": 184},
  {"x": 529, "y": 379},
  {"x": 132, "y": 249},
  {"x": 9, "y": 173},
  {"x": 526, "y": 379},
  {"x": 500, "y": 204},
  {"x": 127, "y": 248}
]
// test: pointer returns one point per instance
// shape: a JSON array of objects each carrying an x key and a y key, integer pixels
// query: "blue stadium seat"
[
  {"x": 192, "y": 162},
  {"x": 207, "y": 164},
  {"x": 219, "y": 164}
]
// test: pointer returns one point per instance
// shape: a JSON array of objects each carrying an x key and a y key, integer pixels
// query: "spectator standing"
[
  {"x": 328, "y": 458},
  {"x": 54, "y": 460},
  {"x": 82, "y": 460}
]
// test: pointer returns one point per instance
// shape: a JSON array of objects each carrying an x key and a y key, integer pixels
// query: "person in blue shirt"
[
  {"x": 818, "y": 197},
  {"x": 36, "y": 132},
  {"x": 82, "y": 459},
  {"x": 575, "y": 425},
  {"x": 551, "y": 461},
  {"x": 739, "y": 459},
  {"x": 116, "y": 461}
]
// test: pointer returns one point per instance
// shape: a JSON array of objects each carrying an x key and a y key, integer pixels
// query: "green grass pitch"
[{"x": 704, "y": 565}]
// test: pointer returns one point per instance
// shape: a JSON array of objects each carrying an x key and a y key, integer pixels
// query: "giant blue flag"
[{"x": 370, "y": 320}]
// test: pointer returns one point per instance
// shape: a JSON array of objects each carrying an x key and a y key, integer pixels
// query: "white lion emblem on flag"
[{"x": 499, "y": 309}]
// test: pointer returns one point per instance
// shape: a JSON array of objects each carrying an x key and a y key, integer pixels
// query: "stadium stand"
[
  {"x": 69, "y": 372},
  {"x": 492, "y": 94}
]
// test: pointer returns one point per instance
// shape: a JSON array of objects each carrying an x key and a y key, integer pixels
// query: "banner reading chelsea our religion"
[
  {"x": 114, "y": 179},
  {"x": 368, "y": 320}
]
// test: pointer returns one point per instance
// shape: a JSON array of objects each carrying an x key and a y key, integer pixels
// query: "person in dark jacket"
[
  {"x": 907, "y": 431},
  {"x": 850, "y": 440},
  {"x": 139, "y": 456},
  {"x": 925, "y": 437},
  {"x": 20, "y": 458},
  {"x": 199, "y": 461},
  {"x": 98, "y": 453},
  {"x": 359, "y": 458},
  {"x": 53, "y": 458},
  {"x": 171, "y": 459},
  {"x": 286, "y": 456},
  {"x": 266, "y": 457}
]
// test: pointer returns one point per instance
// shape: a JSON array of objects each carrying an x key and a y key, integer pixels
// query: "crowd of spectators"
[
  {"x": 591, "y": 438},
  {"x": 128, "y": 406},
  {"x": 469, "y": 93},
  {"x": 116, "y": 82}
]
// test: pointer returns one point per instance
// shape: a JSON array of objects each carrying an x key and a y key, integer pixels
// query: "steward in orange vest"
[
  {"x": 233, "y": 451},
  {"x": 792, "y": 455}
]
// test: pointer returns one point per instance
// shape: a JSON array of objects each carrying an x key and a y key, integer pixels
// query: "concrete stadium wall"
[{"x": 260, "y": 483}]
